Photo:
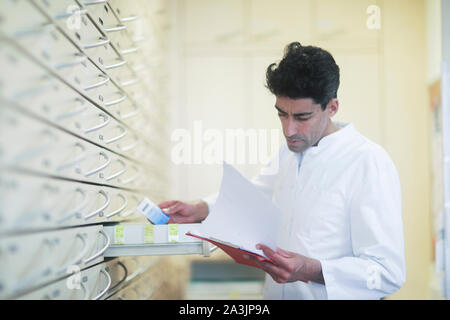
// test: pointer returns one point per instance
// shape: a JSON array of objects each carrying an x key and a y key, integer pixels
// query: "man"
[{"x": 339, "y": 193}]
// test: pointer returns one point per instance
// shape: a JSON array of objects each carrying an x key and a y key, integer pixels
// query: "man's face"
[{"x": 303, "y": 121}]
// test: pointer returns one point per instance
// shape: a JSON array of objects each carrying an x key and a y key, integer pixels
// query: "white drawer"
[
  {"x": 34, "y": 259},
  {"x": 42, "y": 148},
  {"x": 88, "y": 284},
  {"x": 19, "y": 75},
  {"x": 51, "y": 48},
  {"x": 64, "y": 107},
  {"x": 60, "y": 9},
  {"x": 51, "y": 203},
  {"x": 21, "y": 17}
]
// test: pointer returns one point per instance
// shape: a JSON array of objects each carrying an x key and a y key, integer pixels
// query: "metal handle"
[
  {"x": 101, "y": 167},
  {"x": 78, "y": 209},
  {"x": 78, "y": 259},
  {"x": 127, "y": 19},
  {"x": 129, "y": 50},
  {"x": 118, "y": 173},
  {"x": 78, "y": 159},
  {"x": 119, "y": 136},
  {"x": 103, "y": 207},
  {"x": 113, "y": 102},
  {"x": 137, "y": 271},
  {"x": 74, "y": 111},
  {"x": 93, "y": 2},
  {"x": 214, "y": 248},
  {"x": 102, "y": 41},
  {"x": 132, "y": 178},
  {"x": 116, "y": 65},
  {"x": 105, "y": 122},
  {"x": 102, "y": 293},
  {"x": 98, "y": 254},
  {"x": 120, "y": 263},
  {"x": 124, "y": 205},
  {"x": 130, "y": 82},
  {"x": 131, "y": 145},
  {"x": 136, "y": 110},
  {"x": 98, "y": 84},
  {"x": 65, "y": 15},
  {"x": 131, "y": 211},
  {"x": 119, "y": 27},
  {"x": 79, "y": 59}
]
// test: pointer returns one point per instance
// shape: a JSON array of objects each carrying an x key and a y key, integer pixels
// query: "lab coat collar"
[{"x": 347, "y": 130}]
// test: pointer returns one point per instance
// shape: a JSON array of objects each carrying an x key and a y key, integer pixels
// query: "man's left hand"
[{"x": 289, "y": 266}]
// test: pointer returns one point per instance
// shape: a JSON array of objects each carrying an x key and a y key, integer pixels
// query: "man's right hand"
[{"x": 183, "y": 212}]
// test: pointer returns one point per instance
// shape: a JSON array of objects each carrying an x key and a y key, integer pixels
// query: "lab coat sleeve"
[{"x": 377, "y": 267}]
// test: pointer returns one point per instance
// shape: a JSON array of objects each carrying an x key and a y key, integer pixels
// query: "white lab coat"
[{"x": 341, "y": 205}]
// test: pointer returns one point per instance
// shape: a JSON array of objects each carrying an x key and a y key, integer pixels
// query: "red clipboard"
[{"x": 234, "y": 251}]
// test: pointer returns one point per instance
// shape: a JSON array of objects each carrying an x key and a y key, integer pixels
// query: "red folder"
[{"x": 234, "y": 252}]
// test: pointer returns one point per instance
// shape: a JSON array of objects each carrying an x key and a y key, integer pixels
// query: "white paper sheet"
[{"x": 242, "y": 214}]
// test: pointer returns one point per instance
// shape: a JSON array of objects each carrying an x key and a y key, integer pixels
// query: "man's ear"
[{"x": 332, "y": 107}]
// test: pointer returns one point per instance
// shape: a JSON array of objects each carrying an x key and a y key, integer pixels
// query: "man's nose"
[{"x": 290, "y": 129}]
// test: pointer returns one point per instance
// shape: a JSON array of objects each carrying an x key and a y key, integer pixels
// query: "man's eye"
[
  {"x": 281, "y": 114},
  {"x": 302, "y": 119}
]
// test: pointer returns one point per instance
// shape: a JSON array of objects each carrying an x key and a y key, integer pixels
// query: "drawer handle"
[
  {"x": 130, "y": 82},
  {"x": 98, "y": 254},
  {"x": 73, "y": 112},
  {"x": 131, "y": 179},
  {"x": 122, "y": 134},
  {"x": 136, "y": 110},
  {"x": 78, "y": 159},
  {"x": 105, "y": 122},
  {"x": 129, "y": 50},
  {"x": 102, "y": 41},
  {"x": 98, "y": 84},
  {"x": 127, "y": 19},
  {"x": 93, "y": 2},
  {"x": 101, "y": 167},
  {"x": 78, "y": 209},
  {"x": 108, "y": 277},
  {"x": 118, "y": 173},
  {"x": 131, "y": 145},
  {"x": 124, "y": 277},
  {"x": 119, "y": 27},
  {"x": 138, "y": 269},
  {"x": 103, "y": 207},
  {"x": 131, "y": 211},
  {"x": 78, "y": 259},
  {"x": 79, "y": 59},
  {"x": 65, "y": 15},
  {"x": 116, "y": 65},
  {"x": 124, "y": 205},
  {"x": 113, "y": 102}
]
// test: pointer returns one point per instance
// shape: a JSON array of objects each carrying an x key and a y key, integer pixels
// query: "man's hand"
[
  {"x": 183, "y": 212},
  {"x": 289, "y": 266}
]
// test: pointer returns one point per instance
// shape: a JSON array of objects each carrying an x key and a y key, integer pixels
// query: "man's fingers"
[
  {"x": 167, "y": 204},
  {"x": 279, "y": 257},
  {"x": 171, "y": 210}
]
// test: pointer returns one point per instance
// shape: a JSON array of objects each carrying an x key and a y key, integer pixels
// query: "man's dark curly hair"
[{"x": 304, "y": 72}]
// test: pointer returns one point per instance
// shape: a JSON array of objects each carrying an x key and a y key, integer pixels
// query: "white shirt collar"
[{"x": 347, "y": 130}]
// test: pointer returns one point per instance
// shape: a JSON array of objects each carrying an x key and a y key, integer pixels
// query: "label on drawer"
[
  {"x": 173, "y": 232},
  {"x": 149, "y": 234},
  {"x": 119, "y": 235}
]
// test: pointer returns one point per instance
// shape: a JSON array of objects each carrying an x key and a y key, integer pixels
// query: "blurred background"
[{"x": 201, "y": 65}]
